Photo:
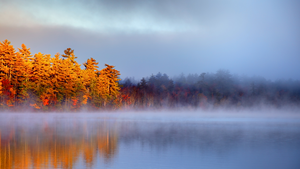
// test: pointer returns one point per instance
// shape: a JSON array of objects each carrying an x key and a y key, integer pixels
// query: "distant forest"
[
  {"x": 44, "y": 83},
  {"x": 209, "y": 90}
]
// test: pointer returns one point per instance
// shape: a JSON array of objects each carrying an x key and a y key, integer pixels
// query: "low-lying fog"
[{"x": 197, "y": 115}]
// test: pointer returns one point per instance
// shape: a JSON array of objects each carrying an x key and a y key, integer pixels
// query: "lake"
[{"x": 150, "y": 140}]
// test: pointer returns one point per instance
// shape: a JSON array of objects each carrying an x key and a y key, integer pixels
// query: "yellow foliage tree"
[
  {"x": 70, "y": 77},
  {"x": 107, "y": 87},
  {"x": 89, "y": 78},
  {"x": 112, "y": 76}
]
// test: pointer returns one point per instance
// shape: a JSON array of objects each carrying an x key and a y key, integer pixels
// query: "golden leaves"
[{"x": 55, "y": 80}]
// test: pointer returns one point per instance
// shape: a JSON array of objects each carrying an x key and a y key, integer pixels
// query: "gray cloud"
[
  {"x": 130, "y": 16},
  {"x": 145, "y": 37}
]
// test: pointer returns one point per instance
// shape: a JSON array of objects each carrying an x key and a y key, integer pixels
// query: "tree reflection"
[{"x": 56, "y": 146}]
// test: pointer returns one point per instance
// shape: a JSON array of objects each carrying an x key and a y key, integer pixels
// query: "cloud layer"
[{"x": 171, "y": 36}]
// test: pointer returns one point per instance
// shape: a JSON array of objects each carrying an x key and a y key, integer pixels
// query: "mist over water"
[{"x": 151, "y": 139}]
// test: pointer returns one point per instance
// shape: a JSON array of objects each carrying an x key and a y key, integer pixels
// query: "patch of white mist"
[{"x": 267, "y": 115}]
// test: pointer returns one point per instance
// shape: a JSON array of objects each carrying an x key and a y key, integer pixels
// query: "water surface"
[{"x": 149, "y": 140}]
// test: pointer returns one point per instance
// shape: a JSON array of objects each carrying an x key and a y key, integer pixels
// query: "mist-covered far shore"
[{"x": 210, "y": 91}]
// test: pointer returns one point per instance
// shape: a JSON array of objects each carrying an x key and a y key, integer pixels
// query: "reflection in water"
[
  {"x": 55, "y": 146},
  {"x": 108, "y": 142}
]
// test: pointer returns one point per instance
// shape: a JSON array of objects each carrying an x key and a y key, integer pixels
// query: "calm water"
[{"x": 154, "y": 141}]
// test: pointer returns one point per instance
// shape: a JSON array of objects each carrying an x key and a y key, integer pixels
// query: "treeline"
[
  {"x": 54, "y": 83},
  {"x": 209, "y": 90},
  {"x": 42, "y": 82}
]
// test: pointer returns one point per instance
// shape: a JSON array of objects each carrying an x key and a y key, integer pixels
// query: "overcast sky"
[{"x": 144, "y": 37}]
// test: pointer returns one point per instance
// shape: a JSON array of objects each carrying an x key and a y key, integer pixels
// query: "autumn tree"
[
  {"x": 21, "y": 73},
  {"x": 70, "y": 77},
  {"x": 89, "y": 78},
  {"x": 107, "y": 86},
  {"x": 15, "y": 69},
  {"x": 7, "y": 61},
  {"x": 40, "y": 77}
]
